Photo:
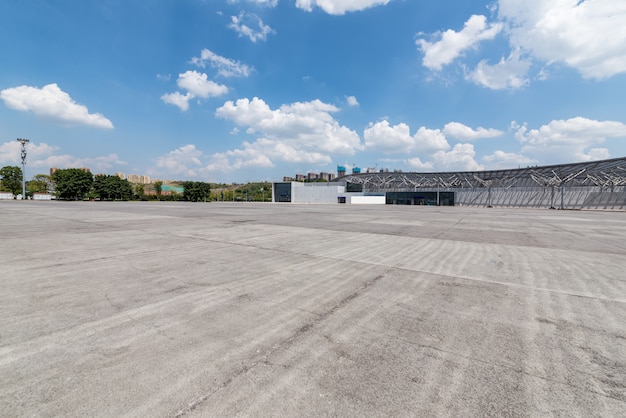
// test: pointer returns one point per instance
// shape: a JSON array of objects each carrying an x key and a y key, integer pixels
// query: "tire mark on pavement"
[{"x": 283, "y": 345}]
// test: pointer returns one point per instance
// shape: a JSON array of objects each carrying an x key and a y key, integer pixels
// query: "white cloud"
[
  {"x": 589, "y": 36},
  {"x": 197, "y": 85},
  {"x": 251, "y": 26},
  {"x": 101, "y": 164},
  {"x": 569, "y": 140},
  {"x": 397, "y": 139},
  {"x": 52, "y": 102},
  {"x": 352, "y": 101},
  {"x": 417, "y": 164},
  {"x": 510, "y": 73},
  {"x": 266, "y": 3},
  {"x": 429, "y": 140},
  {"x": 226, "y": 67},
  {"x": 177, "y": 99},
  {"x": 465, "y": 133},
  {"x": 185, "y": 161},
  {"x": 298, "y": 132},
  {"x": 10, "y": 152},
  {"x": 501, "y": 160},
  {"x": 339, "y": 7},
  {"x": 43, "y": 156},
  {"x": 389, "y": 139},
  {"x": 460, "y": 158},
  {"x": 452, "y": 44},
  {"x": 262, "y": 153}
]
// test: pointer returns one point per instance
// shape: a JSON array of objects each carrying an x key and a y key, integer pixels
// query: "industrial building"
[{"x": 586, "y": 185}]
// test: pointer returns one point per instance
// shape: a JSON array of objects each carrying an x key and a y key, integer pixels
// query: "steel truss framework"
[
  {"x": 587, "y": 179},
  {"x": 605, "y": 173}
]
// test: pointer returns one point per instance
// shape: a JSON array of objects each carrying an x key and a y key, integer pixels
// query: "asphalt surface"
[{"x": 240, "y": 309}]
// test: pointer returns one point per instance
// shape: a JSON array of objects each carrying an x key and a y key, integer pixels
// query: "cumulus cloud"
[
  {"x": 262, "y": 153},
  {"x": 52, "y": 102},
  {"x": 339, "y": 7},
  {"x": 465, "y": 133},
  {"x": 185, "y": 161},
  {"x": 452, "y": 44},
  {"x": 266, "y": 3},
  {"x": 10, "y": 152},
  {"x": 250, "y": 26},
  {"x": 197, "y": 85},
  {"x": 586, "y": 35},
  {"x": 352, "y": 101},
  {"x": 510, "y": 73},
  {"x": 574, "y": 139},
  {"x": 429, "y": 140},
  {"x": 417, "y": 164},
  {"x": 389, "y": 139},
  {"x": 459, "y": 158},
  {"x": 43, "y": 156},
  {"x": 226, "y": 67},
  {"x": 296, "y": 132},
  {"x": 178, "y": 99},
  {"x": 100, "y": 164},
  {"x": 501, "y": 160},
  {"x": 398, "y": 139}
]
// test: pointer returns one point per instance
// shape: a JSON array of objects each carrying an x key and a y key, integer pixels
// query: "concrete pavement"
[{"x": 237, "y": 309}]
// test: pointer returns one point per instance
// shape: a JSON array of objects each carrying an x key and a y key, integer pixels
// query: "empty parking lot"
[{"x": 236, "y": 309}]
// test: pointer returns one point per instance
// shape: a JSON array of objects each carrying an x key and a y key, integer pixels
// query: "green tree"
[
  {"x": 158, "y": 188},
  {"x": 72, "y": 183},
  {"x": 41, "y": 183},
  {"x": 196, "y": 191},
  {"x": 112, "y": 187},
  {"x": 140, "y": 191},
  {"x": 11, "y": 179}
]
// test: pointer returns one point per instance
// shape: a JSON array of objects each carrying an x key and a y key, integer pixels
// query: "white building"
[{"x": 321, "y": 193}]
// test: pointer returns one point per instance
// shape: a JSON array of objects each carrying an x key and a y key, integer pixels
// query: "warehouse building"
[{"x": 586, "y": 185}]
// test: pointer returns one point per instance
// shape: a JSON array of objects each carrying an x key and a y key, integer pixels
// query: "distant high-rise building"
[{"x": 325, "y": 176}]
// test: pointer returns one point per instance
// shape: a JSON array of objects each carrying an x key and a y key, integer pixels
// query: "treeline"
[{"x": 80, "y": 184}]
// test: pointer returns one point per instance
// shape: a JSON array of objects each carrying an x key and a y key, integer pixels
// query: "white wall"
[
  {"x": 320, "y": 193},
  {"x": 42, "y": 196},
  {"x": 367, "y": 200}
]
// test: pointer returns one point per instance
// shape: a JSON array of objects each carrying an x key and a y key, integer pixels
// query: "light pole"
[{"x": 23, "y": 142}]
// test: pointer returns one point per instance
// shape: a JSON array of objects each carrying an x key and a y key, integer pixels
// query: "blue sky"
[{"x": 251, "y": 90}]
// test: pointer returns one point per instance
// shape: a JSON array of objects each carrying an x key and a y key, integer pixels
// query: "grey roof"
[{"x": 593, "y": 173}]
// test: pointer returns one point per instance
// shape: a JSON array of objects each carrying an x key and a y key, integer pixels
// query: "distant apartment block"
[{"x": 137, "y": 179}]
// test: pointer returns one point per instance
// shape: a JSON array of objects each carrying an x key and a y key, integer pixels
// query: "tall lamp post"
[{"x": 23, "y": 142}]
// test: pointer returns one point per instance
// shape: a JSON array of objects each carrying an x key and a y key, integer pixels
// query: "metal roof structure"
[{"x": 604, "y": 173}]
